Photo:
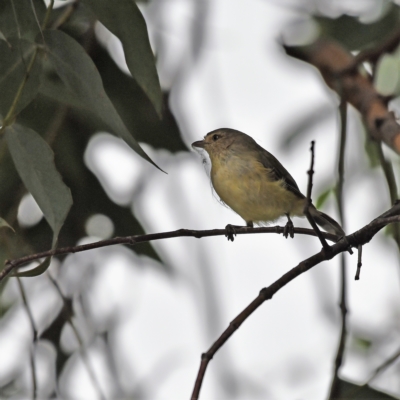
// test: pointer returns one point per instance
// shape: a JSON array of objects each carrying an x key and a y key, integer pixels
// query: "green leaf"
[
  {"x": 387, "y": 77},
  {"x": 17, "y": 18},
  {"x": 372, "y": 151},
  {"x": 34, "y": 161},
  {"x": 4, "y": 224},
  {"x": 323, "y": 197},
  {"x": 349, "y": 390},
  {"x": 362, "y": 343},
  {"x": 126, "y": 95},
  {"x": 355, "y": 35},
  {"x": 55, "y": 89},
  {"x": 90, "y": 198},
  {"x": 13, "y": 66},
  {"x": 124, "y": 19},
  {"x": 39, "y": 270},
  {"x": 79, "y": 74}
]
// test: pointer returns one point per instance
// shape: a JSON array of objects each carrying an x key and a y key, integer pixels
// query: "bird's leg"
[
  {"x": 289, "y": 228},
  {"x": 231, "y": 230}
]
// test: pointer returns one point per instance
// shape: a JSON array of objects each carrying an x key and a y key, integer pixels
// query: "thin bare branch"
[
  {"x": 334, "y": 391},
  {"x": 387, "y": 363},
  {"x": 362, "y": 236},
  {"x": 336, "y": 63},
  {"x": 308, "y": 202},
  {"x": 82, "y": 349},
  {"x": 10, "y": 265},
  {"x": 359, "y": 263}
]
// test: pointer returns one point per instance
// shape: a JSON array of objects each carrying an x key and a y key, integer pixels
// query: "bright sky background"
[{"x": 241, "y": 79}]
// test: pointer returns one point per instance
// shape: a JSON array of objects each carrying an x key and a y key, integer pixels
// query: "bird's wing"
[{"x": 278, "y": 172}]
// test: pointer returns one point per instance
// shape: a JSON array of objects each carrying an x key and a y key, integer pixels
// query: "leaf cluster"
[{"x": 59, "y": 87}]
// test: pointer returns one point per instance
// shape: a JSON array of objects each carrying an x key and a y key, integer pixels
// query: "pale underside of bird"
[{"x": 254, "y": 184}]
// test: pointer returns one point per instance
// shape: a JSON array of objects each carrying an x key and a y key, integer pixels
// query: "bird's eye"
[{"x": 216, "y": 137}]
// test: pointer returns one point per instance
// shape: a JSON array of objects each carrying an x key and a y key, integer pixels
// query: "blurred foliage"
[
  {"x": 71, "y": 89},
  {"x": 61, "y": 107},
  {"x": 53, "y": 333},
  {"x": 57, "y": 116},
  {"x": 349, "y": 390},
  {"x": 387, "y": 76},
  {"x": 362, "y": 343},
  {"x": 323, "y": 197},
  {"x": 17, "y": 19},
  {"x": 356, "y": 35}
]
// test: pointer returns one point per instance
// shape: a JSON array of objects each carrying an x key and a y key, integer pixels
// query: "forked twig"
[
  {"x": 308, "y": 202},
  {"x": 362, "y": 236}
]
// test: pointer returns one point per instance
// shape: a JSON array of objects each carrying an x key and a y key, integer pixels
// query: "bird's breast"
[{"x": 245, "y": 185}]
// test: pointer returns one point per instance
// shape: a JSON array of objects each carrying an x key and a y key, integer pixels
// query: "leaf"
[
  {"x": 371, "y": 150},
  {"x": 13, "y": 67},
  {"x": 39, "y": 270},
  {"x": 90, "y": 197},
  {"x": 80, "y": 75},
  {"x": 124, "y": 19},
  {"x": 349, "y": 390},
  {"x": 323, "y": 197},
  {"x": 34, "y": 161},
  {"x": 355, "y": 35},
  {"x": 362, "y": 343},
  {"x": 126, "y": 95},
  {"x": 387, "y": 77},
  {"x": 4, "y": 224},
  {"x": 56, "y": 90},
  {"x": 17, "y": 18}
]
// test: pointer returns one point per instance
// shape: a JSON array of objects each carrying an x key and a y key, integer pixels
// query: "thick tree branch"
[
  {"x": 10, "y": 265},
  {"x": 337, "y": 65},
  {"x": 362, "y": 236}
]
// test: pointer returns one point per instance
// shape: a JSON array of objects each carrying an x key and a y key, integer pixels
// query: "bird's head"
[{"x": 221, "y": 140}]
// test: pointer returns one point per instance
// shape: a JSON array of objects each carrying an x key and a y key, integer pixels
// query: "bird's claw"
[
  {"x": 288, "y": 230},
  {"x": 230, "y": 232}
]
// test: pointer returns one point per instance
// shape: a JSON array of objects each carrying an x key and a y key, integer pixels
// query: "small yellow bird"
[{"x": 254, "y": 184}]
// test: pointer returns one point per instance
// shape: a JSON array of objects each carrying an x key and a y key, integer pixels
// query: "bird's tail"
[{"x": 326, "y": 222}]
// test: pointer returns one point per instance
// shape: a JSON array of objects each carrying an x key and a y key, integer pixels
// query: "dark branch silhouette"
[
  {"x": 336, "y": 66},
  {"x": 360, "y": 237},
  {"x": 335, "y": 384},
  {"x": 359, "y": 263},
  {"x": 10, "y": 265},
  {"x": 307, "y": 213}
]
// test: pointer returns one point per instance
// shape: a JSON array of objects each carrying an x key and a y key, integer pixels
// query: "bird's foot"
[
  {"x": 288, "y": 230},
  {"x": 230, "y": 232}
]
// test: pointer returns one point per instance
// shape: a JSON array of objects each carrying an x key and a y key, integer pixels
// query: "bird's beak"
[{"x": 199, "y": 143}]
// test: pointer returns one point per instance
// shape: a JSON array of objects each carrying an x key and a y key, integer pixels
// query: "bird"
[{"x": 254, "y": 184}]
